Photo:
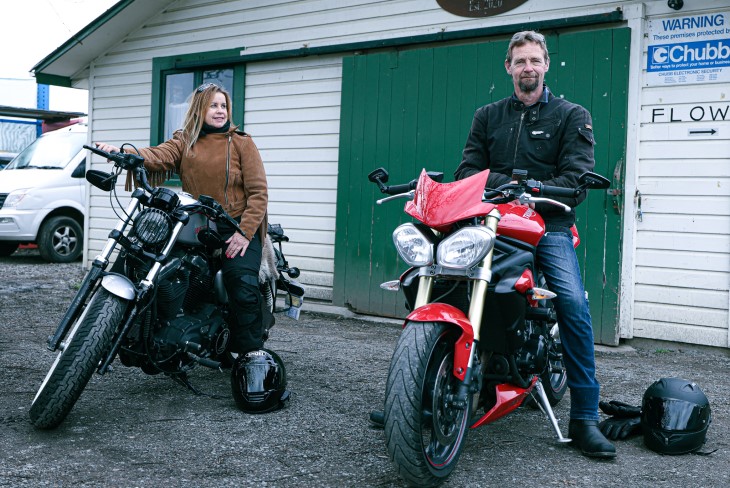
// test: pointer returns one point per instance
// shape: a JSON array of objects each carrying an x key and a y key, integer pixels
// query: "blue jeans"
[{"x": 559, "y": 263}]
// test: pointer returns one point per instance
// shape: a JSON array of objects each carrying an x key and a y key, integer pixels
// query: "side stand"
[{"x": 544, "y": 405}]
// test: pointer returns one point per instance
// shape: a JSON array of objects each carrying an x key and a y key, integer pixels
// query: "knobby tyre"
[
  {"x": 424, "y": 431},
  {"x": 86, "y": 343}
]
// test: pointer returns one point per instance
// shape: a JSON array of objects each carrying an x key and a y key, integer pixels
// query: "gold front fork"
[
  {"x": 425, "y": 287},
  {"x": 479, "y": 291}
]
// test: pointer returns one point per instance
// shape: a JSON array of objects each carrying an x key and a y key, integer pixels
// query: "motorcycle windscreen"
[{"x": 439, "y": 205}]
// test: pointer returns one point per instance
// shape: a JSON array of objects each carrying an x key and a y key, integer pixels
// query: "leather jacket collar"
[{"x": 519, "y": 106}]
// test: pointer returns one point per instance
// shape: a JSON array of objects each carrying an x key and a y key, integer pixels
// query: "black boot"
[
  {"x": 377, "y": 419},
  {"x": 587, "y": 437}
]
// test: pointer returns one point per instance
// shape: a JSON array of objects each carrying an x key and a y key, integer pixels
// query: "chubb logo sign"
[{"x": 703, "y": 54}]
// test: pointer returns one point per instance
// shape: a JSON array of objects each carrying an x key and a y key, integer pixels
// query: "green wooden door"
[{"x": 411, "y": 110}]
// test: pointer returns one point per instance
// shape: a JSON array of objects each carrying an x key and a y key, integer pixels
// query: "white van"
[{"x": 43, "y": 196}]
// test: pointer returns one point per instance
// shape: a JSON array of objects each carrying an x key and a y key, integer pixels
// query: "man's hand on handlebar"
[{"x": 515, "y": 182}]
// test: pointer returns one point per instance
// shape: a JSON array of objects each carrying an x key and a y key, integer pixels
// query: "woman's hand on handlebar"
[{"x": 107, "y": 147}]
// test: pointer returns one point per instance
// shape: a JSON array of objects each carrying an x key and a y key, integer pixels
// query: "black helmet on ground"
[
  {"x": 258, "y": 381},
  {"x": 675, "y": 415}
]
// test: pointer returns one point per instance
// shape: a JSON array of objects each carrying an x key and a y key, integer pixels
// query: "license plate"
[{"x": 295, "y": 306}]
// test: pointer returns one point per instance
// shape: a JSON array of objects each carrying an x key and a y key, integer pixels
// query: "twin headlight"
[{"x": 462, "y": 249}]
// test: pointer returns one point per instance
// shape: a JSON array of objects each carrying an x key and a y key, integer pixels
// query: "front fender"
[
  {"x": 442, "y": 312},
  {"x": 119, "y": 285}
]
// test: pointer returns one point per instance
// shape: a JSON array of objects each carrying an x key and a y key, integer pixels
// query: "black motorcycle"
[{"x": 162, "y": 305}]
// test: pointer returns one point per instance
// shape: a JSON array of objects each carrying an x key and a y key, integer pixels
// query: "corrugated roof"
[{"x": 38, "y": 114}]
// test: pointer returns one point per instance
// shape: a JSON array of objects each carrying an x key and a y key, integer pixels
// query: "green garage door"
[{"x": 408, "y": 110}]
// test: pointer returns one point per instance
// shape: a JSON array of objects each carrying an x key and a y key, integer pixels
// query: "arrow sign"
[{"x": 698, "y": 132}]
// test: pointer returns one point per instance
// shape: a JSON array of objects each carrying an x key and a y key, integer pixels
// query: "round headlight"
[
  {"x": 465, "y": 247},
  {"x": 412, "y": 246},
  {"x": 152, "y": 226}
]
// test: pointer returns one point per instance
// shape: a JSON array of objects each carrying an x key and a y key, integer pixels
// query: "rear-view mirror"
[{"x": 101, "y": 180}]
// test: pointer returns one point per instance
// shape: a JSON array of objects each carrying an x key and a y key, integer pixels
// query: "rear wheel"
[
  {"x": 85, "y": 346},
  {"x": 554, "y": 379},
  {"x": 60, "y": 240},
  {"x": 424, "y": 430}
]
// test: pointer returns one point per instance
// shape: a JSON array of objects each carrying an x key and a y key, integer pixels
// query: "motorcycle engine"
[
  {"x": 200, "y": 282},
  {"x": 532, "y": 357},
  {"x": 201, "y": 333},
  {"x": 185, "y": 319}
]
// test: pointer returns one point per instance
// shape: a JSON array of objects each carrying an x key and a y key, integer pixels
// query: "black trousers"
[{"x": 241, "y": 279}]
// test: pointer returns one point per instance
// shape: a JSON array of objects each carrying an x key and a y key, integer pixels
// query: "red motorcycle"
[{"x": 482, "y": 334}]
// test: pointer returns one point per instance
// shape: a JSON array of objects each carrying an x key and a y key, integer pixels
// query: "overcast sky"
[{"x": 31, "y": 30}]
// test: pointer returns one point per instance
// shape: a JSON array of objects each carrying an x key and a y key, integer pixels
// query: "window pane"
[
  {"x": 222, "y": 77},
  {"x": 177, "y": 89}
]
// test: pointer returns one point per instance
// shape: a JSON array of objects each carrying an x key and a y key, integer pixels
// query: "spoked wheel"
[
  {"x": 84, "y": 347},
  {"x": 424, "y": 429}
]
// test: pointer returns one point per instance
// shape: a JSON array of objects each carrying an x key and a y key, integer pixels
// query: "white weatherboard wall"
[
  {"x": 683, "y": 229},
  {"x": 681, "y": 208},
  {"x": 293, "y": 115}
]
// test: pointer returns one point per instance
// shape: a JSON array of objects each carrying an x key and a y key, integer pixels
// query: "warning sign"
[{"x": 692, "y": 49}]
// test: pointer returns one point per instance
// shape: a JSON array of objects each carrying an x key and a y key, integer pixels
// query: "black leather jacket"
[{"x": 552, "y": 140}]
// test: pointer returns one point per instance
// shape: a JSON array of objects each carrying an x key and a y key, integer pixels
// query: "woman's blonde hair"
[{"x": 198, "y": 105}]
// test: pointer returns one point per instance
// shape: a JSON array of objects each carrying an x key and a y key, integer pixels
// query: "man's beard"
[{"x": 528, "y": 84}]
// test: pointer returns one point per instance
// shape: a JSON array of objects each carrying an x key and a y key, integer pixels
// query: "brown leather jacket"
[{"x": 225, "y": 166}]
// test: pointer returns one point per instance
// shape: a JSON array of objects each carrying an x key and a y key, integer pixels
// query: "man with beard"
[{"x": 552, "y": 139}]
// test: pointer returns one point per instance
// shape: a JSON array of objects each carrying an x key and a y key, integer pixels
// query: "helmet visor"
[{"x": 675, "y": 415}]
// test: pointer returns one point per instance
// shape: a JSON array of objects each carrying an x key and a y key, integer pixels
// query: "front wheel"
[
  {"x": 424, "y": 429},
  {"x": 85, "y": 346}
]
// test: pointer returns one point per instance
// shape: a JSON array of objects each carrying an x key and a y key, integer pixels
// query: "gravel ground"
[{"x": 129, "y": 429}]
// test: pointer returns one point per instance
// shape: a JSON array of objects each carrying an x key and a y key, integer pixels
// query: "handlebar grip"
[
  {"x": 404, "y": 188},
  {"x": 98, "y": 151},
  {"x": 559, "y": 191},
  {"x": 396, "y": 189},
  {"x": 125, "y": 160}
]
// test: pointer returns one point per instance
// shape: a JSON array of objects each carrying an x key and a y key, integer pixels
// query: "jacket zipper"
[
  {"x": 517, "y": 141},
  {"x": 228, "y": 167}
]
